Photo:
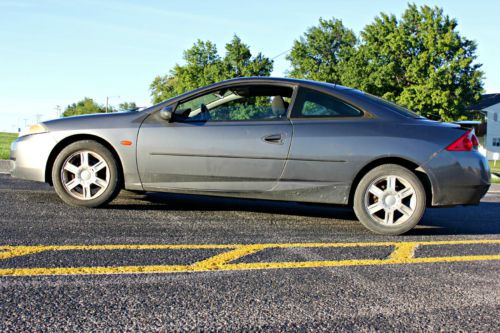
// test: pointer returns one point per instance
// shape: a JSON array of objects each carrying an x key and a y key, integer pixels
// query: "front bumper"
[
  {"x": 458, "y": 178},
  {"x": 29, "y": 155},
  {"x": 6, "y": 166}
]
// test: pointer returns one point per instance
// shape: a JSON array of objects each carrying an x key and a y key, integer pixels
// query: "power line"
[{"x": 282, "y": 53}]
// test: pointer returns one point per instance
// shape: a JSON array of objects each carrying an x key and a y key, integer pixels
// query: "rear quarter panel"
[{"x": 327, "y": 154}]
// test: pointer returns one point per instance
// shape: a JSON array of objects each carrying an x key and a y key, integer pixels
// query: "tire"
[
  {"x": 85, "y": 174},
  {"x": 389, "y": 193}
]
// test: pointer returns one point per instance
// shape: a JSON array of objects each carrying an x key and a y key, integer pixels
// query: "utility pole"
[
  {"x": 58, "y": 111},
  {"x": 107, "y": 102}
]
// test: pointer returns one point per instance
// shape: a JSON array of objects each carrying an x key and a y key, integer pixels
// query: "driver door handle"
[{"x": 273, "y": 138}]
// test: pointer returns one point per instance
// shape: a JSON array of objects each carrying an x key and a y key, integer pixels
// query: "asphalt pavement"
[{"x": 164, "y": 262}]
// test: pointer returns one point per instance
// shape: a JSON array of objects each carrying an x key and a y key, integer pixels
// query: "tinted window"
[
  {"x": 312, "y": 104},
  {"x": 236, "y": 104},
  {"x": 389, "y": 105}
]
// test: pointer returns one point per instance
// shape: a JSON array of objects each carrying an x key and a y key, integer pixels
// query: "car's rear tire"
[
  {"x": 389, "y": 200},
  {"x": 85, "y": 173}
]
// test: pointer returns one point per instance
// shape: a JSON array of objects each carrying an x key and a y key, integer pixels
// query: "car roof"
[
  {"x": 274, "y": 80},
  {"x": 330, "y": 87}
]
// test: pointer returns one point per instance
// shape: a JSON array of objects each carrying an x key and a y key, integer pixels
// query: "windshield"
[{"x": 194, "y": 105}]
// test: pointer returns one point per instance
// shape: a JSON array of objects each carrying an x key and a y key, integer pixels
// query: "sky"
[{"x": 55, "y": 52}]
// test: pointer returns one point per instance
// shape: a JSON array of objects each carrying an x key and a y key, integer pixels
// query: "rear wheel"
[
  {"x": 389, "y": 200},
  {"x": 85, "y": 174}
]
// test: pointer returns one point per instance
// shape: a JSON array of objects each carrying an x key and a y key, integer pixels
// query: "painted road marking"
[{"x": 403, "y": 253}]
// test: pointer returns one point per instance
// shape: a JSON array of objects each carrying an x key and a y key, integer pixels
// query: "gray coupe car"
[{"x": 267, "y": 138}]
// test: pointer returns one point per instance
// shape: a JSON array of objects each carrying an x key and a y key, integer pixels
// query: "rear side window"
[{"x": 313, "y": 104}]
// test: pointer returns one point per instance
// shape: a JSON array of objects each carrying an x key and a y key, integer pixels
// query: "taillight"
[
  {"x": 475, "y": 142},
  {"x": 466, "y": 142}
]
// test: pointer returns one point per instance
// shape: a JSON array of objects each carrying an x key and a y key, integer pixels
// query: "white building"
[{"x": 490, "y": 106}]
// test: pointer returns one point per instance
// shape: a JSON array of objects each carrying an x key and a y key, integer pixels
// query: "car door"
[
  {"x": 222, "y": 142},
  {"x": 330, "y": 142}
]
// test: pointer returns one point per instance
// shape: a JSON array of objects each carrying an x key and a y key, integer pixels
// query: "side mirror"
[{"x": 167, "y": 113}]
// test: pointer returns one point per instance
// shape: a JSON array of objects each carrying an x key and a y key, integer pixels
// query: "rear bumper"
[
  {"x": 458, "y": 178},
  {"x": 29, "y": 155},
  {"x": 470, "y": 195}
]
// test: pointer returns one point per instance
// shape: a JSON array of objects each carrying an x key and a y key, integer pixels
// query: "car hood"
[{"x": 96, "y": 120}]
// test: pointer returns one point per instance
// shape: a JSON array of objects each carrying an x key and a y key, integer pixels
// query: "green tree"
[
  {"x": 204, "y": 66},
  {"x": 164, "y": 87},
  {"x": 126, "y": 106},
  {"x": 85, "y": 106},
  {"x": 420, "y": 61},
  {"x": 238, "y": 61},
  {"x": 322, "y": 52}
]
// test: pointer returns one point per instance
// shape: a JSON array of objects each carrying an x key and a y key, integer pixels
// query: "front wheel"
[
  {"x": 85, "y": 173},
  {"x": 389, "y": 200}
]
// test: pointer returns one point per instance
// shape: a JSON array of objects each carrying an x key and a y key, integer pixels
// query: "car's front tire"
[
  {"x": 85, "y": 173},
  {"x": 389, "y": 200}
]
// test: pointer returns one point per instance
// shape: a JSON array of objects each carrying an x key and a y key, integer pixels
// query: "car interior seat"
[{"x": 278, "y": 107}]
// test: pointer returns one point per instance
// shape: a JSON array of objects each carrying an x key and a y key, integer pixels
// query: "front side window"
[
  {"x": 258, "y": 102},
  {"x": 311, "y": 103}
]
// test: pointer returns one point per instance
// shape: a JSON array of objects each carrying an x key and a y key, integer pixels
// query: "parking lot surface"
[{"x": 161, "y": 262}]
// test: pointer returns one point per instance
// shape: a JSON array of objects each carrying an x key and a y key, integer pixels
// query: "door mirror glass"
[{"x": 167, "y": 113}]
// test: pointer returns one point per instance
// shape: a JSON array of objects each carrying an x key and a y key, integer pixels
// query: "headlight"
[{"x": 33, "y": 129}]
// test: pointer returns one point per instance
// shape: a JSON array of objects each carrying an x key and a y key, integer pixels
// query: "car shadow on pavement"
[
  {"x": 463, "y": 220},
  {"x": 469, "y": 220},
  {"x": 189, "y": 202}
]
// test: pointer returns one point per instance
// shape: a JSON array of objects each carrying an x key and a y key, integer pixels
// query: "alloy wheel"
[
  {"x": 390, "y": 200},
  {"x": 85, "y": 175}
]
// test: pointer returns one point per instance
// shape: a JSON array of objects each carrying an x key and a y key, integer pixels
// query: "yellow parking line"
[
  {"x": 232, "y": 246},
  {"x": 121, "y": 247},
  {"x": 366, "y": 262},
  {"x": 92, "y": 270},
  {"x": 453, "y": 259},
  {"x": 218, "y": 261},
  {"x": 230, "y": 267},
  {"x": 17, "y": 252},
  {"x": 403, "y": 253}
]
